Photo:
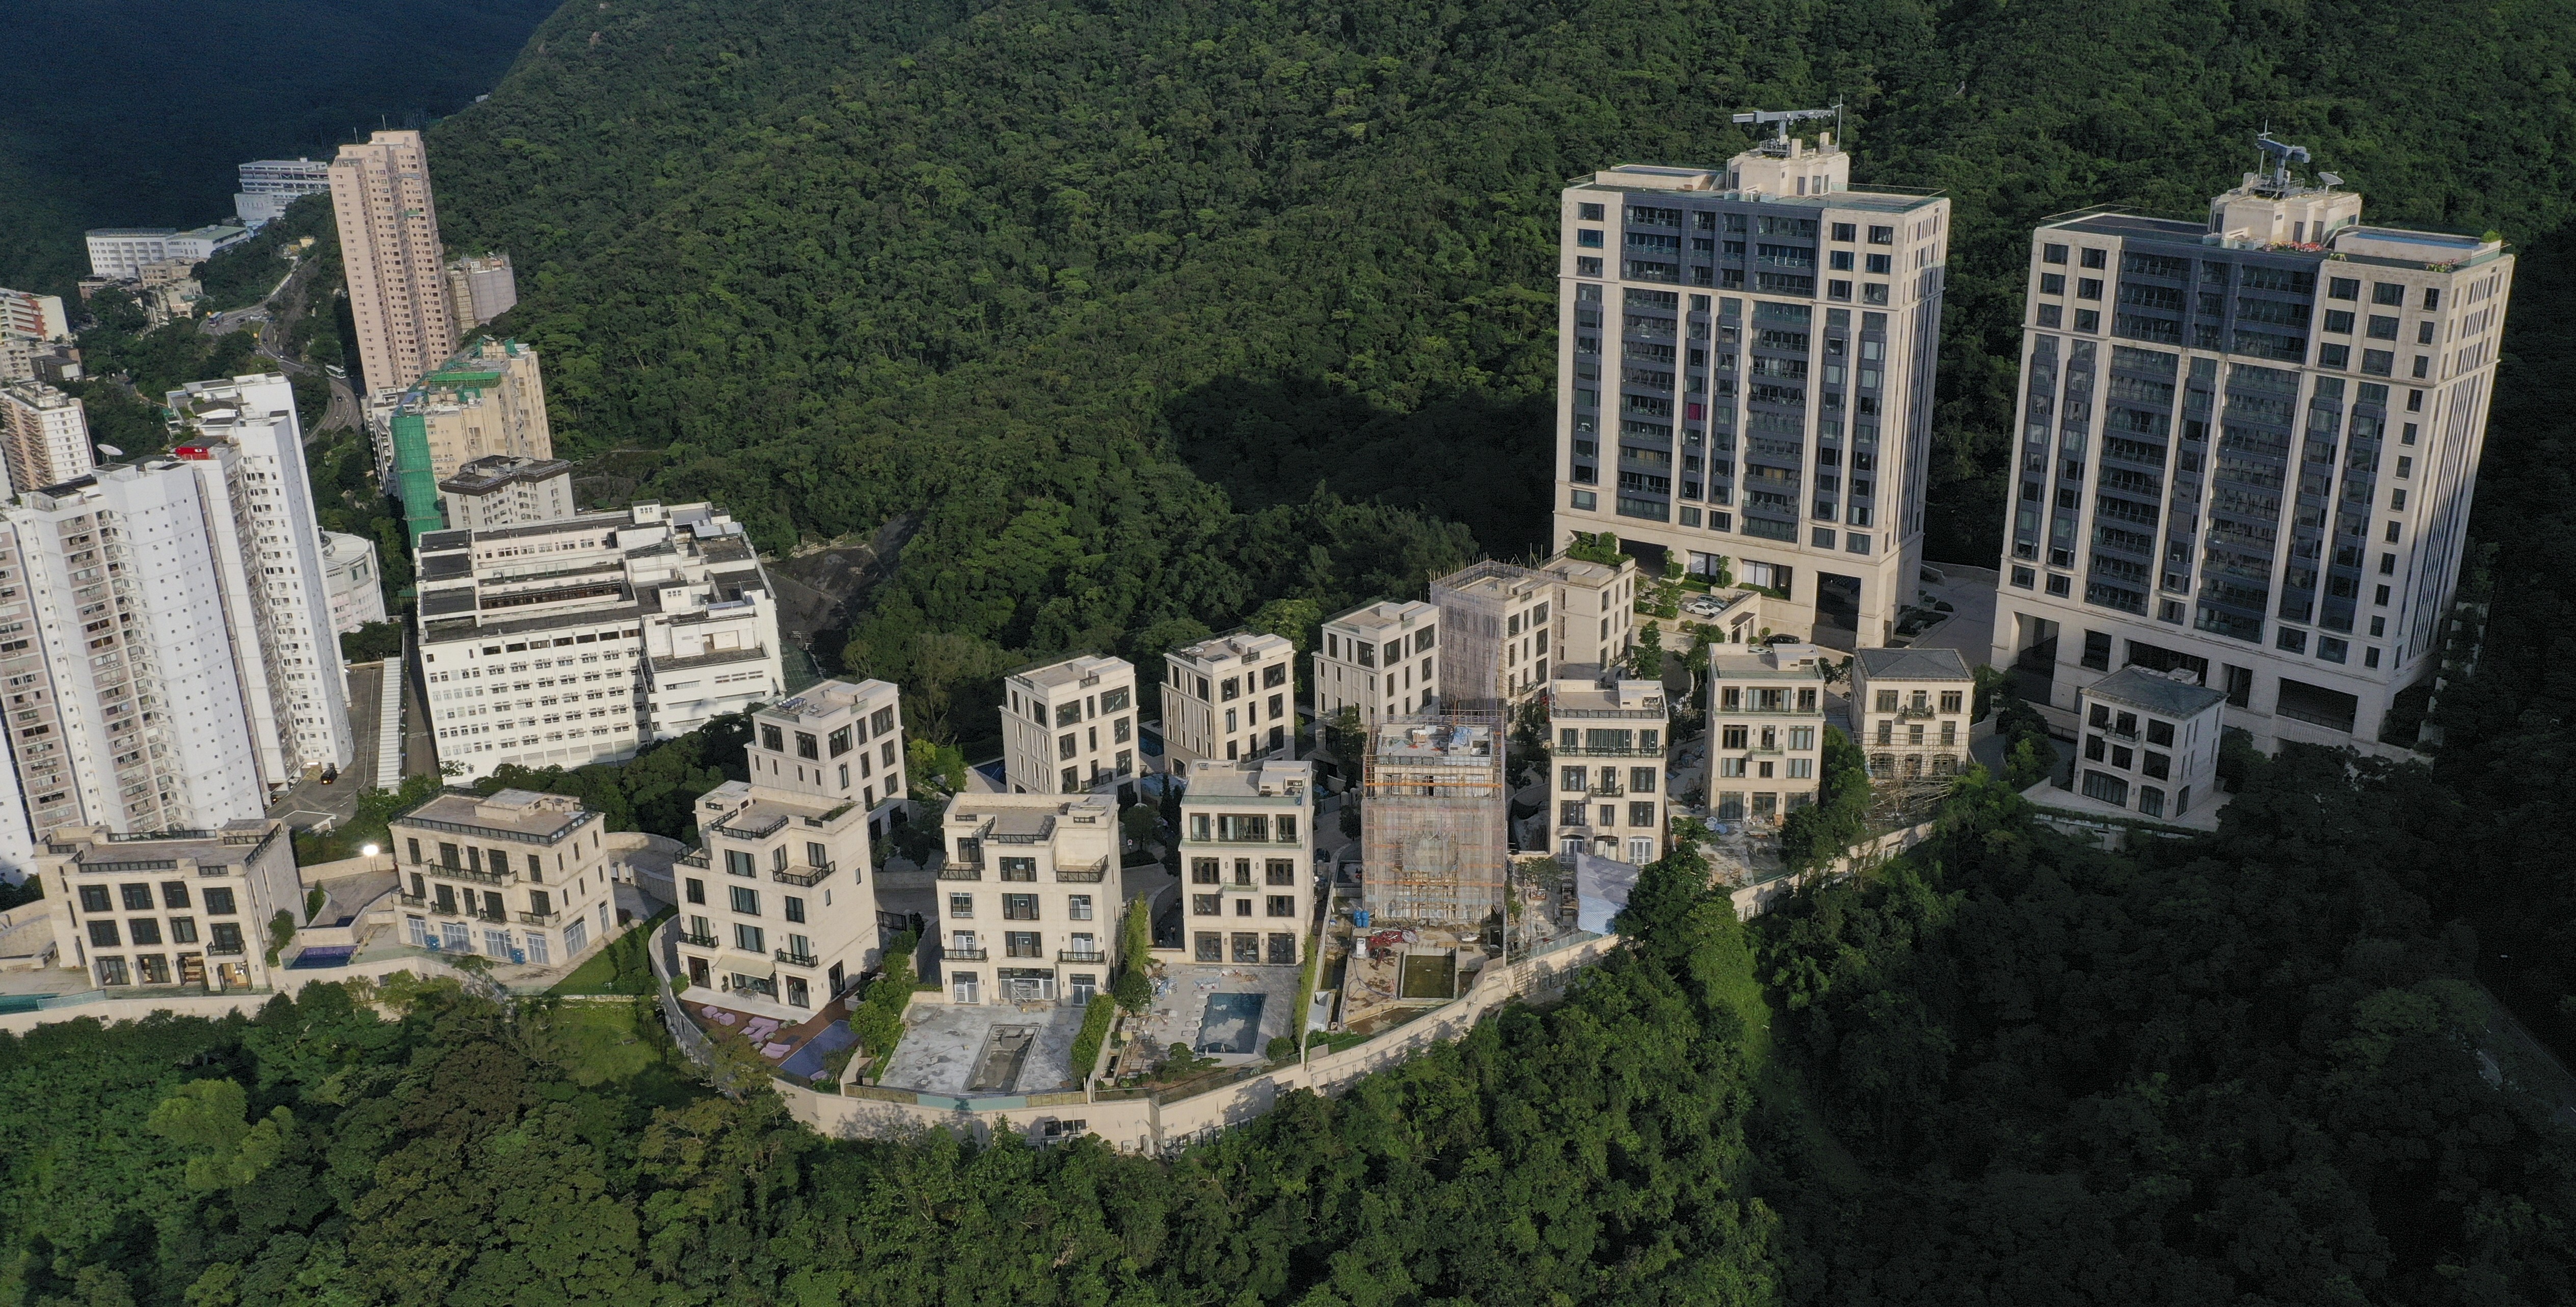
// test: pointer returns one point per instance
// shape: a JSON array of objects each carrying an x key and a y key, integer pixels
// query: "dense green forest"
[
  {"x": 1080, "y": 286},
  {"x": 134, "y": 113},
  {"x": 2006, "y": 1069}
]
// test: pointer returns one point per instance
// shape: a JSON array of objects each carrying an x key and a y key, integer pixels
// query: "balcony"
[
  {"x": 1607, "y": 792},
  {"x": 1608, "y": 751},
  {"x": 801, "y": 876},
  {"x": 697, "y": 941},
  {"x": 953, "y": 870},
  {"x": 415, "y": 900},
  {"x": 225, "y": 950},
  {"x": 762, "y": 831},
  {"x": 697, "y": 858},
  {"x": 795, "y": 959},
  {"x": 1912, "y": 712},
  {"x": 1091, "y": 875},
  {"x": 1081, "y": 955},
  {"x": 966, "y": 954},
  {"x": 539, "y": 918},
  {"x": 468, "y": 874},
  {"x": 496, "y": 918}
]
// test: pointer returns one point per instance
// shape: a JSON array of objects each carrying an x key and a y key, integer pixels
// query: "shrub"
[{"x": 1095, "y": 1028}]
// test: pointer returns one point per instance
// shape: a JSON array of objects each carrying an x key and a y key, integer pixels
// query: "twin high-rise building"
[
  {"x": 2245, "y": 449},
  {"x": 165, "y": 630},
  {"x": 1746, "y": 373},
  {"x": 389, "y": 247}
]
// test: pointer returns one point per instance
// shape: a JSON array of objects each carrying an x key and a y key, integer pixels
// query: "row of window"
[
  {"x": 145, "y": 932},
  {"x": 1920, "y": 701},
  {"x": 1739, "y": 805},
  {"x": 1243, "y": 828},
  {"x": 1211, "y": 946},
  {"x": 1020, "y": 907},
  {"x": 1578, "y": 780},
  {"x": 137, "y": 897},
  {"x": 1914, "y": 733},
  {"x": 745, "y": 900},
  {"x": 1576, "y": 812},
  {"x": 1213, "y": 905},
  {"x": 1275, "y": 871}
]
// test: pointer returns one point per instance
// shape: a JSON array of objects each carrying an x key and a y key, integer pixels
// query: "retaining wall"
[{"x": 1158, "y": 1124}]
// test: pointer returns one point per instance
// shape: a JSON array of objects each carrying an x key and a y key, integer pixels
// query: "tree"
[{"x": 1133, "y": 985}]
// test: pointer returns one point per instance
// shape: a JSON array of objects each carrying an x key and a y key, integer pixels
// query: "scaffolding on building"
[
  {"x": 1472, "y": 603},
  {"x": 1432, "y": 822}
]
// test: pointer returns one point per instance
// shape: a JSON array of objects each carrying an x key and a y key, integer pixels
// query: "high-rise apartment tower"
[
  {"x": 2247, "y": 446},
  {"x": 44, "y": 436},
  {"x": 389, "y": 246},
  {"x": 1746, "y": 372}
]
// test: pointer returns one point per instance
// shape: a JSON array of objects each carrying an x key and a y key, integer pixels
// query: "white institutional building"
[
  {"x": 1745, "y": 372},
  {"x": 269, "y": 185},
  {"x": 575, "y": 641},
  {"x": 2246, "y": 450}
]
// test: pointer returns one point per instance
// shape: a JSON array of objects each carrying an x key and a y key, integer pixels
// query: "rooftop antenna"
[
  {"x": 1779, "y": 144},
  {"x": 2280, "y": 156}
]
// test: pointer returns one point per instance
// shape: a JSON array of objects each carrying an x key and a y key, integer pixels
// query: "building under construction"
[{"x": 1432, "y": 820}]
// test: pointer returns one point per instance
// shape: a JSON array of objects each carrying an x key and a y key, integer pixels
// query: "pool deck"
[
  {"x": 1180, "y": 1007},
  {"x": 949, "y": 1049}
]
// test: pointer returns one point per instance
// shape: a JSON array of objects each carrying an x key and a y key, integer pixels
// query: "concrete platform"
[
  {"x": 996, "y": 1048},
  {"x": 1180, "y": 1005}
]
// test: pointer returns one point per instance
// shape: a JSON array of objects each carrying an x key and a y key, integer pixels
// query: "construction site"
[{"x": 1432, "y": 839}]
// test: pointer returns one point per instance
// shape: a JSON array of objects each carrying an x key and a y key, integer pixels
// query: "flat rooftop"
[
  {"x": 1634, "y": 178},
  {"x": 1027, "y": 809},
  {"x": 1384, "y": 614},
  {"x": 235, "y": 843},
  {"x": 826, "y": 699},
  {"x": 1626, "y": 698},
  {"x": 1795, "y": 661},
  {"x": 1074, "y": 671},
  {"x": 1246, "y": 646},
  {"x": 524, "y": 815},
  {"x": 1261, "y": 778},
  {"x": 1436, "y": 743}
]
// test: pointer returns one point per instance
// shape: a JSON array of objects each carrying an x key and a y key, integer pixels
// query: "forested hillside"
[
  {"x": 134, "y": 113},
  {"x": 1055, "y": 275},
  {"x": 2008, "y": 1070}
]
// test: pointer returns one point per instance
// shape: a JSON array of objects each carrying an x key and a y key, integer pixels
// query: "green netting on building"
[{"x": 414, "y": 483}]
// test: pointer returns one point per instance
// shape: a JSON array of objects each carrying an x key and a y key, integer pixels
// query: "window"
[
  {"x": 1281, "y": 905},
  {"x": 1844, "y": 231},
  {"x": 1586, "y": 213},
  {"x": 2343, "y": 288},
  {"x": 95, "y": 898},
  {"x": 138, "y": 898},
  {"x": 1207, "y": 905},
  {"x": 2094, "y": 258},
  {"x": 2106, "y": 787},
  {"x": 746, "y": 901},
  {"x": 2052, "y": 254},
  {"x": 1021, "y": 869},
  {"x": 2097, "y": 651},
  {"x": 2388, "y": 292},
  {"x": 961, "y": 905},
  {"x": 1588, "y": 237},
  {"x": 2088, "y": 288},
  {"x": 1019, "y": 907},
  {"x": 749, "y": 939},
  {"x": 1887, "y": 236}
]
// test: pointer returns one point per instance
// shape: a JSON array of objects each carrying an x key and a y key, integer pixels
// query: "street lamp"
[{"x": 369, "y": 850}]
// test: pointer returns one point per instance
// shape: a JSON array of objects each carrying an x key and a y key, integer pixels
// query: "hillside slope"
[
  {"x": 1055, "y": 272},
  {"x": 134, "y": 113}
]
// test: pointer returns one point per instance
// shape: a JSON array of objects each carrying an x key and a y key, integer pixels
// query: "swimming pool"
[{"x": 1231, "y": 1023}]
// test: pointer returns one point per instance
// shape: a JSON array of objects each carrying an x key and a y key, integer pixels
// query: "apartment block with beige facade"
[
  {"x": 1607, "y": 735},
  {"x": 1230, "y": 698},
  {"x": 1506, "y": 625},
  {"x": 514, "y": 876},
  {"x": 1379, "y": 660},
  {"x": 2247, "y": 449},
  {"x": 488, "y": 401},
  {"x": 380, "y": 198},
  {"x": 1910, "y": 711},
  {"x": 44, "y": 437},
  {"x": 776, "y": 907},
  {"x": 1745, "y": 372},
  {"x": 1247, "y": 844},
  {"x": 499, "y": 490},
  {"x": 1028, "y": 897},
  {"x": 183, "y": 909},
  {"x": 1069, "y": 726},
  {"x": 1766, "y": 726}
]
